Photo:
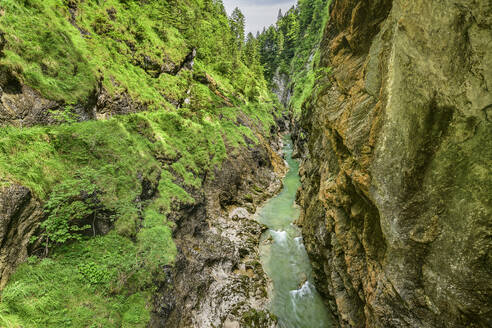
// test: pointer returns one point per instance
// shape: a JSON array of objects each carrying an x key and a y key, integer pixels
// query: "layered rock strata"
[
  {"x": 218, "y": 280},
  {"x": 396, "y": 177}
]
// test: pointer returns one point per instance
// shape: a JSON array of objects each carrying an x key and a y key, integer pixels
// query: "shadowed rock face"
[
  {"x": 20, "y": 214},
  {"x": 217, "y": 279},
  {"x": 396, "y": 176}
]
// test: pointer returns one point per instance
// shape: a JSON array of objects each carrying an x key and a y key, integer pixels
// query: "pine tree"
[
  {"x": 292, "y": 39},
  {"x": 237, "y": 22}
]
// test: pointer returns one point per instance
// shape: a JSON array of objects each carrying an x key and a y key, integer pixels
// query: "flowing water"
[{"x": 295, "y": 300}]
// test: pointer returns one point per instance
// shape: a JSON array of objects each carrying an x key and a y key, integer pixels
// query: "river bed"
[{"x": 294, "y": 298}]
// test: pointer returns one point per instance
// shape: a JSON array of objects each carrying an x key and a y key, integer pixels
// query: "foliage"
[
  {"x": 65, "y": 49},
  {"x": 291, "y": 47},
  {"x": 80, "y": 285},
  {"x": 251, "y": 57},
  {"x": 64, "y": 116},
  {"x": 93, "y": 273},
  {"x": 70, "y": 201},
  {"x": 237, "y": 22},
  {"x": 82, "y": 168}
]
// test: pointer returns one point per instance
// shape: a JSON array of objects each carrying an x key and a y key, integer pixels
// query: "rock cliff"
[
  {"x": 217, "y": 280},
  {"x": 20, "y": 214},
  {"x": 396, "y": 171}
]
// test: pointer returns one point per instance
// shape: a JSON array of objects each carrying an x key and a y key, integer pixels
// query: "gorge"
[{"x": 158, "y": 168}]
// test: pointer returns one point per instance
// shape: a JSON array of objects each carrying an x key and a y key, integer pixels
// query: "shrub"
[{"x": 71, "y": 201}]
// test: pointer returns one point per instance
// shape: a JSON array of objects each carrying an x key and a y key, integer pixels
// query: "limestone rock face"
[
  {"x": 397, "y": 179},
  {"x": 20, "y": 214},
  {"x": 217, "y": 279}
]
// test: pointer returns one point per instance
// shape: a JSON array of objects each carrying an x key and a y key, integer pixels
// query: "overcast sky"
[{"x": 259, "y": 13}]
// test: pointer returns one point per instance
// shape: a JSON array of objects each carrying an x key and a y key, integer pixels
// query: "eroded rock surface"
[
  {"x": 217, "y": 280},
  {"x": 20, "y": 215},
  {"x": 396, "y": 176}
]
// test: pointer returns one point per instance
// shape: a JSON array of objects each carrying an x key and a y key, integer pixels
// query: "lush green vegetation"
[
  {"x": 291, "y": 48},
  {"x": 131, "y": 46},
  {"x": 79, "y": 286},
  {"x": 94, "y": 171},
  {"x": 95, "y": 166}
]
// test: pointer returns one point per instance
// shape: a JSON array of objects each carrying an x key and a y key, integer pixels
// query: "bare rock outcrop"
[
  {"x": 20, "y": 215},
  {"x": 218, "y": 280},
  {"x": 397, "y": 179}
]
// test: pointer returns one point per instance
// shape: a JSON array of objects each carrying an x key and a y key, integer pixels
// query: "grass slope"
[
  {"x": 122, "y": 43},
  {"x": 107, "y": 280},
  {"x": 95, "y": 169}
]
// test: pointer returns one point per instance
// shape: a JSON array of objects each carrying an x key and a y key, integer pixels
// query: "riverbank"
[
  {"x": 294, "y": 299},
  {"x": 218, "y": 280}
]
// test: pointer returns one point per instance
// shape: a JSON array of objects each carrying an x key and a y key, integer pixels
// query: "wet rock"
[
  {"x": 396, "y": 177},
  {"x": 217, "y": 280}
]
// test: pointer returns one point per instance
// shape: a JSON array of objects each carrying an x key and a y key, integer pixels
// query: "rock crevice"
[
  {"x": 20, "y": 215},
  {"x": 396, "y": 170},
  {"x": 218, "y": 280}
]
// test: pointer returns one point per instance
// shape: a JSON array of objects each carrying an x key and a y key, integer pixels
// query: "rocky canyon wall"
[{"x": 397, "y": 186}]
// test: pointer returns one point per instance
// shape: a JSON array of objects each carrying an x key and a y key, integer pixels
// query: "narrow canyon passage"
[
  {"x": 295, "y": 300},
  {"x": 143, "y": 160}
]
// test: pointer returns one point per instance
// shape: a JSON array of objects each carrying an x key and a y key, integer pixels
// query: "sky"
[{"x": 259, "y": 13}]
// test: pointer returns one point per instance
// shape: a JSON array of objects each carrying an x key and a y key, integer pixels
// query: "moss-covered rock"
[{"x": 396, "y": 178}]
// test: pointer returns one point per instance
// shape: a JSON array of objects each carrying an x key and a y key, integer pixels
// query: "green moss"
[
  {"x": 105, "y": 162},
  {"x": 79, "y": 287},
  {"x": 124, "y": 44},
  {"x": 255, "y": 318}
]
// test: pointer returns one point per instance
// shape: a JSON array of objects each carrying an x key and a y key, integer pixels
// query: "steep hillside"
[
  {"x": 96, "y": 201},
  {"x": 117, "y": 57},
  {"x": 289, "y": 51},
  {"x": 396, "y": 171},
  {"x": 139, "y": 137}
]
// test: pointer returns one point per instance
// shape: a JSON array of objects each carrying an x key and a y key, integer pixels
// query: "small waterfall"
[
  {"x": 279, "y": 236},
  {"x": 305, "y": 291}
]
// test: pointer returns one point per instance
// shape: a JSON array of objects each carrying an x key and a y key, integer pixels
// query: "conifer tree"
[{"x": 237, "y": 23}]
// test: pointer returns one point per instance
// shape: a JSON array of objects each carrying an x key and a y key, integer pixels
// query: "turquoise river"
[{"x": 295, "y": 300}]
